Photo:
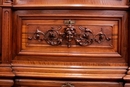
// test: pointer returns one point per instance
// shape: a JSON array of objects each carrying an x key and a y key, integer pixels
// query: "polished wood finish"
[
  {"x": 127, "y": 78},
  {"x": 115, "y": 48},
  {"x": 55, "y": 83},
  {"x": 0, "y": 28},
  {"x": 30, "y": 60},
  {"x": 73, "y": 4},
  {"x": 6, "y": 38},
  {"x": 72, "y": 74},
  {"x": 6, "y": 76}
]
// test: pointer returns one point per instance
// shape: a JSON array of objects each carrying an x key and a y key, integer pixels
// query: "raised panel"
[
  {"x": 60, "y": 29},
  {"x": 111, "y": 44}
]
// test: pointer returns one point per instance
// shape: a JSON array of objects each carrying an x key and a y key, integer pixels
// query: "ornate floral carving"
[
  {"x": 69, "y": 34},
  {"x": 86, "y": 37},
  {"x": 101, "y": 37},
  {"x": 54, "y": 37}
]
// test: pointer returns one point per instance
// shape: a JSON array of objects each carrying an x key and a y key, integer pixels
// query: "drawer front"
[
  {"x": 52, "y": 36},
  {"x": 45, "y": 83},
  {"x": 76, "y": 34},
  {"x": 0, "y": 30}
]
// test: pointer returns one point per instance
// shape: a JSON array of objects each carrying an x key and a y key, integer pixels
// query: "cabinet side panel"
[{"x": 0, "y": 28}]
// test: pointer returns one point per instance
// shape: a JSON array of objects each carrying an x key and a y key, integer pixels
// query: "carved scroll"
[{"x": 54, "y": 37}]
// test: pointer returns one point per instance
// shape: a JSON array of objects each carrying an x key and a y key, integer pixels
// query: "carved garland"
[{"x": 54, "y": 37}]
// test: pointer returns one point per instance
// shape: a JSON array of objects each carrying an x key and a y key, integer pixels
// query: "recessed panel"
[{"x": 70, "y": 36}]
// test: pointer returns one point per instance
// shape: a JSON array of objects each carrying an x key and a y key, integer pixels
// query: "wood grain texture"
[
  {"x": 6, "y": 76},
  {"x": 6, "y": 71},
  {"x": 73, "y": 4},
  {"x": 6, "y": 83},
  {"x": 0, "y": 30},
  {"x": 31, "y": 64},
  {"x": 37, "y": 18},
  {"x": 6, "y": 35},
  {"x": 74, "y": 74},
  {"x": 127, "y": 77},
  {"x": 68, "y": 64},
  {"x": 94, "y": 2},
  {"x": 54, "y": 83}
]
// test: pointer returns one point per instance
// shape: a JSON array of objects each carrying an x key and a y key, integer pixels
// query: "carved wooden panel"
[
  {"x": 90, "y": 34},
  {"x": 57, "y": 33}
]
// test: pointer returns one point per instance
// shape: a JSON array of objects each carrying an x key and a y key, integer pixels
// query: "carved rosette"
[
  {"x": 86, "y": 37},
  {"x": 100, "y": 37},
  {"x": 69, "y": 35}
]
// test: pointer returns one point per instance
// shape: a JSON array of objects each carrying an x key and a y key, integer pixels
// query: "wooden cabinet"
[{"x": 63, "y": 43}]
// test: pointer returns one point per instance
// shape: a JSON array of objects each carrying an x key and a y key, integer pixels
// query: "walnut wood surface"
[
  {"x": 72, "y": 73},
  {"x": 0, "y": 29},
  {"x": 36, "y": 64},
  {"x": 93, "y": 2},
  {"x": 30, "y": 49},
  {"x": 6, "y": 75},
  {"x": 56, "y": 83},
  {"x": 6, "y": 37},
  {"x": 127, "y": 78},
  {"x": 67, "y": 4}
]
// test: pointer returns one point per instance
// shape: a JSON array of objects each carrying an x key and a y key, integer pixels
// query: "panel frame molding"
[{"x": 20, "y": 17}]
